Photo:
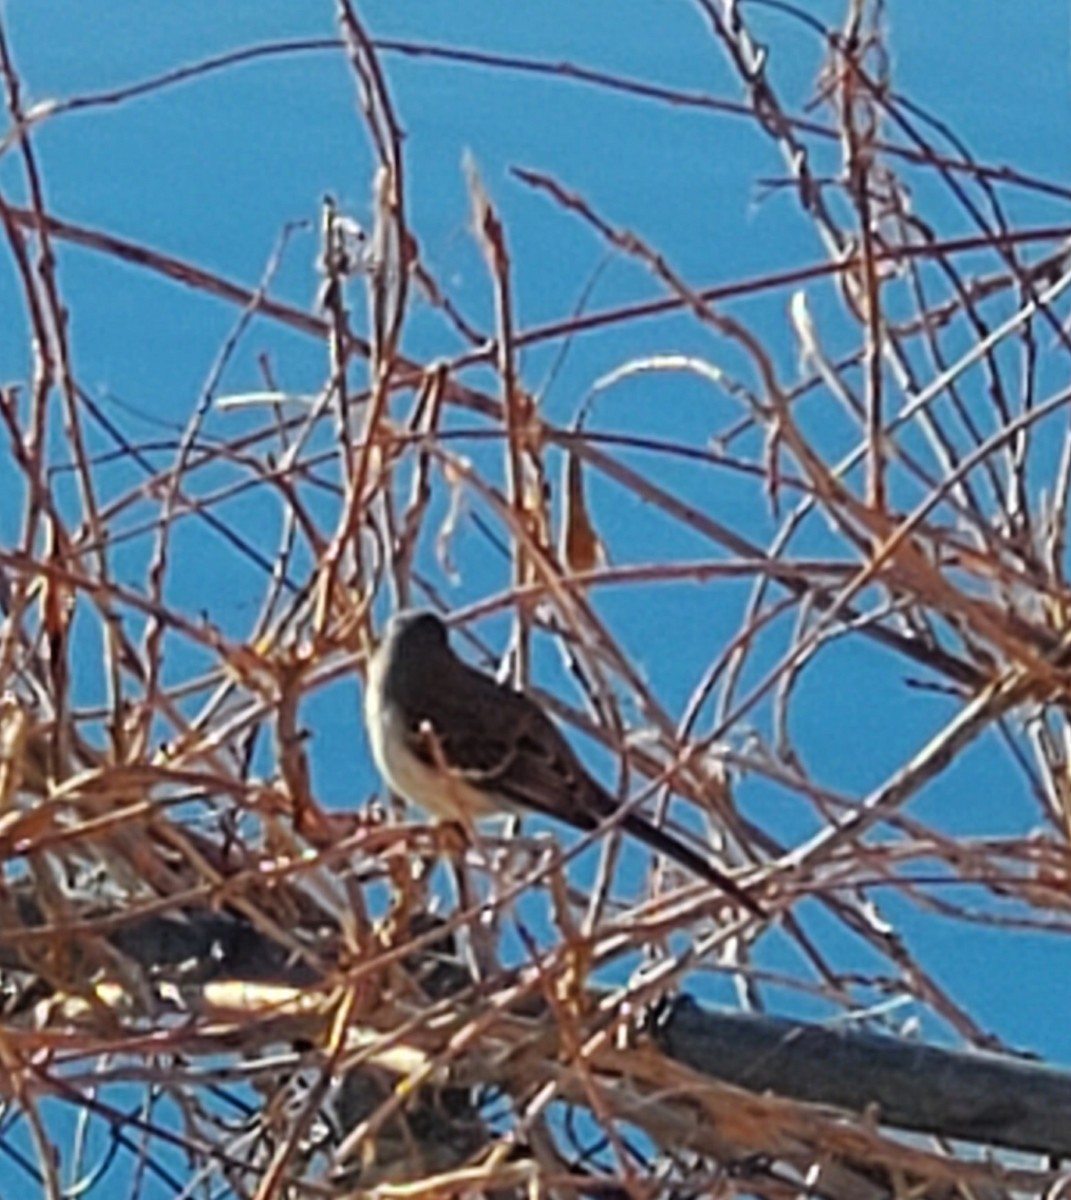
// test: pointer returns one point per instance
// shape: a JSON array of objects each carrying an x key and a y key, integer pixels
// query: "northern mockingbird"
[{"x": 460, "y": 745}]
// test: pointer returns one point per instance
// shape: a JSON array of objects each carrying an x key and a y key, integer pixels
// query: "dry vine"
[{"x": 214, "y": 985}]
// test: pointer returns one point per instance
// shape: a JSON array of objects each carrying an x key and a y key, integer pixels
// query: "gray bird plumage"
[{"x": 460, "y": 745}]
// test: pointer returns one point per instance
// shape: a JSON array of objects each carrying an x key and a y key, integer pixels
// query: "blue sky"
[{"x": 212, "y": 169}]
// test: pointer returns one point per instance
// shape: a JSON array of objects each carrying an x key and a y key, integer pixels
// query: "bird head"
[
  {"x": 416, "y": 630},
  {"x": 412, "y": 658}
]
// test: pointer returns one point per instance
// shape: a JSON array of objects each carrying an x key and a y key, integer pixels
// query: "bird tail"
[{"x": 665, "y": 843}]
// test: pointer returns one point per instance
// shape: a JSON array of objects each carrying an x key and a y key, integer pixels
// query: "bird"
[{"x": 462, "y": 746}]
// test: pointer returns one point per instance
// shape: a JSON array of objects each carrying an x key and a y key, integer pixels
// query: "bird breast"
[{"x": 442, "y": 793}]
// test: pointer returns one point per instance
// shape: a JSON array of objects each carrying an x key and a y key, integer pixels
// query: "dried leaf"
[{"x": 581, "y": 547}]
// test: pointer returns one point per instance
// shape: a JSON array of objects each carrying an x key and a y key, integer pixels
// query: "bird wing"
[
  {"x": 545, "y": 776},
  {"x": 499, "y": 741}
]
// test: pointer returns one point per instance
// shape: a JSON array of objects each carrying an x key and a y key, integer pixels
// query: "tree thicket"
[{"x": 214, "y": 983}]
